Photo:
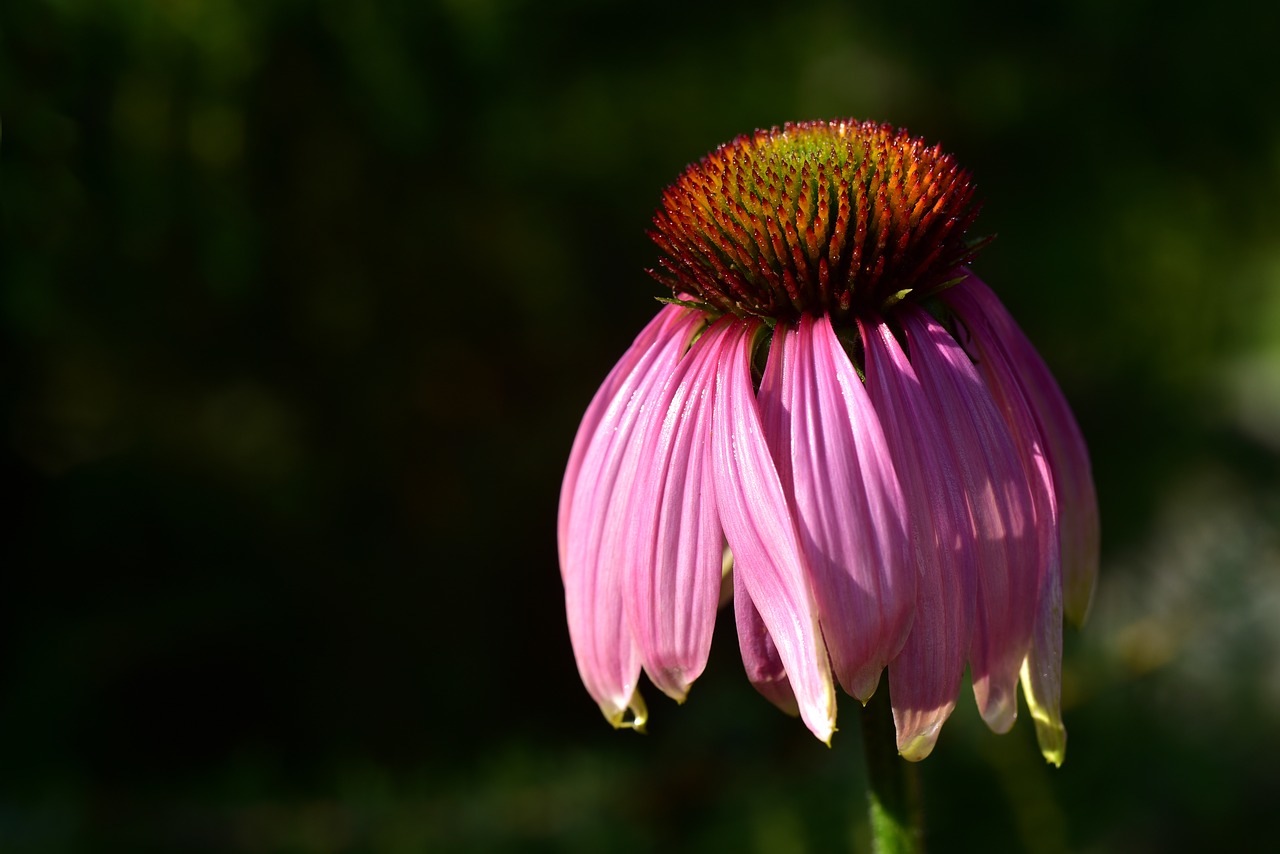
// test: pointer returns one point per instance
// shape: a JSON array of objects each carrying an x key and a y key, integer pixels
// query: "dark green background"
[{"x": 301, "y": 305}]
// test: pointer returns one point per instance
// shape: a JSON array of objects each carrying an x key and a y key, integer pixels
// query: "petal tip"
[
  {"x": 1052, "y": 738},
  {"x": 634, "y": 716},
  {"x": 674, "y": 680},
  {"x": 1000, "y": 712},
  {"x": 675, "y": 686},
  {"x": 864, "y": 684},
  {"x": 914, "y": 746}
]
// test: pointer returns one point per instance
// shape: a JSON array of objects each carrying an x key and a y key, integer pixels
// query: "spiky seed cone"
[{"x": 816, "y": 217}]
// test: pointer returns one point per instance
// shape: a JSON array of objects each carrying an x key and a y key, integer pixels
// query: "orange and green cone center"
[{"x": 831, "y": 218}]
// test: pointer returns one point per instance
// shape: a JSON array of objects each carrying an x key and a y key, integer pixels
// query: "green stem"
[{"x": 893, "y": 785}]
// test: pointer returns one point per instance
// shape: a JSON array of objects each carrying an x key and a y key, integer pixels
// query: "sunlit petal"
[
  {"x": 1000, "y": 507},
  {"x": 619, "y": 380},
  {"x": 593, "y": 542},
  {"x": 839, "y": 479},
  {"x": 672, "y": 563},
  {"x": 925, "y": 677},
  {"x": 1065, "y": 447},
  {"x": 1041, "y": 674},
  {"x": 762, "y": 534}
]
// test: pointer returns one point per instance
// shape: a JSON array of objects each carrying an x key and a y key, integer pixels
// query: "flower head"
[{"x": 832, "y": 398}]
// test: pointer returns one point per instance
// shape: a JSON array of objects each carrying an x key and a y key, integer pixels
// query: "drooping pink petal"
[
  {"x": 1067, "y": 452},
  {"x": 1003, "y": 533},
  {"x": 761, "y": 533},
  {"x": 672, "y": 561},
  {"x": 759, "y": 653},
  {"x": 592, "y": 542},
  {"x": 1041, "y": 678},
  {"x": 924, "y": 679},
  {"x": 836, "y": 471}
]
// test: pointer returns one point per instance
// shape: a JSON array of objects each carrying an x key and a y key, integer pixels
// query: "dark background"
[{"x": 302, "y": 303}]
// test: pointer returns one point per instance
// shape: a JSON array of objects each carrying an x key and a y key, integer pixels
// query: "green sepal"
[{"x": 687, "y": 303}]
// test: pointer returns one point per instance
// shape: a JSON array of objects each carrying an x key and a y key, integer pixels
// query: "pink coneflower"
[{"x": 833, "y": 399}]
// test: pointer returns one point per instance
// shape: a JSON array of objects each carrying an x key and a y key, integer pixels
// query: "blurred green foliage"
[{"x": 301, "y": 303}]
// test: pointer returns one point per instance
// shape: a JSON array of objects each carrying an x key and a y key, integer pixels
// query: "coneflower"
[{"x": 835, "y": 400}]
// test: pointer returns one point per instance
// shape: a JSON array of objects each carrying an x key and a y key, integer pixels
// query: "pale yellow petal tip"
[
  {"x": 1053, "y": 742},
  {"x": 916, "y": 747},
  {"x": 634, "y": 716},
  {"x": 1050, "y": 732}
]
